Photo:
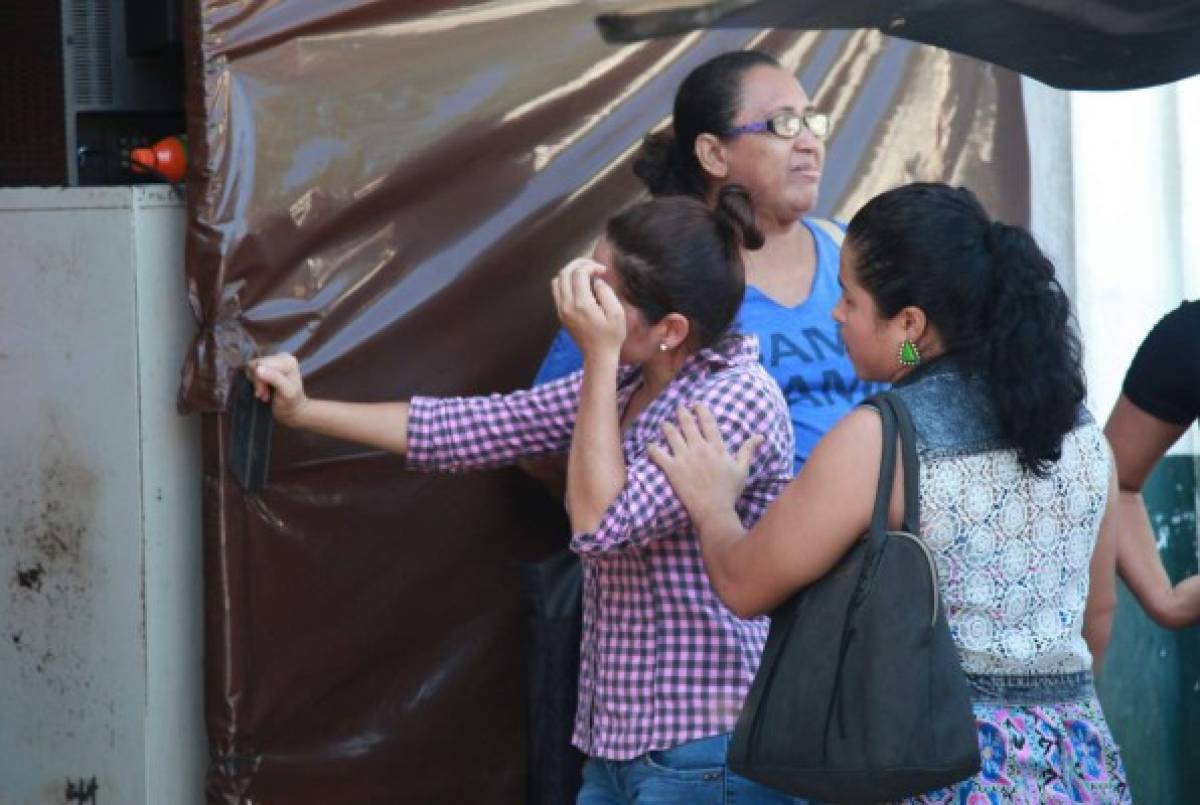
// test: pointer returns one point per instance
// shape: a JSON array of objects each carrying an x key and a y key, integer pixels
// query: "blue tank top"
[{"x": 801, "y": 347}]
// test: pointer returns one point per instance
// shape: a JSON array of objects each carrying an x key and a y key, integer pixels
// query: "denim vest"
[{"x": 953, "y": 414}]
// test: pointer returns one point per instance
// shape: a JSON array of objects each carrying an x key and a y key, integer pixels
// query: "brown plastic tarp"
[{"x": 385, "y": 189}]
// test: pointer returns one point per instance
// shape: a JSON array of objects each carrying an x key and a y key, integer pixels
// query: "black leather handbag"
[{"x": 861, "y": 696}]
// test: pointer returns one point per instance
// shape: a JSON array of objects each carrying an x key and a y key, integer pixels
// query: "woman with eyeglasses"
[{"x": 741, "y": 119}]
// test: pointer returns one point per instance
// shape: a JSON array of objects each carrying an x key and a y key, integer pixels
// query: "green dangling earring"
[{"x": 909, "y": 354}]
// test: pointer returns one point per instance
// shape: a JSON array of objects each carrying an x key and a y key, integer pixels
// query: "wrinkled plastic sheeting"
[{"x": 385, "y": 189}]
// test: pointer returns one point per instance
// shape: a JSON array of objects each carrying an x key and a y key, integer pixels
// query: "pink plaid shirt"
[{"x": 662, "y": 661}]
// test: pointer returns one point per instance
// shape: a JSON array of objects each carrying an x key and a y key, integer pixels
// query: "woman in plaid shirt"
[{"x": 664, "y": 665}]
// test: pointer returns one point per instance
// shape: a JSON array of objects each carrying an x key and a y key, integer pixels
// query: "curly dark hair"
[{"x": 993, "y": 297}]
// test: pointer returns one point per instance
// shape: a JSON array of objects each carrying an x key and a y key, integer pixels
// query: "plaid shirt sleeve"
[
  {"x": 743, "y": 403},
  {"x": 456, "y": 434}
]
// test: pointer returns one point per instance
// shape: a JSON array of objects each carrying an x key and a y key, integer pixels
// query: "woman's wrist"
[
  {"x": 602, "y": 359},
  {"x": 716, "y": 523},
  {"x": 298, "y": 416}
]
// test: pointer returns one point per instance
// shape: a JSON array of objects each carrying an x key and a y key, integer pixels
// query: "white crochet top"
[{"x": 1013, "y": 553}]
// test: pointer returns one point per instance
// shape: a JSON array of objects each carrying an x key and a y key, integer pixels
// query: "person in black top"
[{"x": 1159, "y": 401}]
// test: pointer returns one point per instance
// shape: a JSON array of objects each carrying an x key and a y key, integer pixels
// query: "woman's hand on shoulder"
[
  {"x": 706, "y": 477},
  {"x": 589, "y": 308},
  {"x": 277, "y": 379},
  {"x": 803, "y": 533}
]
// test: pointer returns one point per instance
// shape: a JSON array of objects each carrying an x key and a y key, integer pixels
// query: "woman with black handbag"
[{"x": 964, "y": 315}]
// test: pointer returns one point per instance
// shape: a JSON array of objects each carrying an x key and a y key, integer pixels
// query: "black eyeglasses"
[{"x": 787, "y": 125}]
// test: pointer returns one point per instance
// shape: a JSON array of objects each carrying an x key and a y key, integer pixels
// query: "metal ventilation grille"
[{"x": 91, "y": 51}]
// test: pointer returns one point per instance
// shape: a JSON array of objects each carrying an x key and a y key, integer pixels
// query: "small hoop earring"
[{"x": 909, "y": 355}]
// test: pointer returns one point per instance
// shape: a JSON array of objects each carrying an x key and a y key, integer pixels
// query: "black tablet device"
[{"x": 250, "y": 424}]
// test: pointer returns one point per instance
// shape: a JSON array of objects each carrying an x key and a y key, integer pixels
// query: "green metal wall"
[{"x": 1150, "y": 685}]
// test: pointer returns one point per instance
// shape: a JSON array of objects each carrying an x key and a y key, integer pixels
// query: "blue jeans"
[{"x": 692, "y": 773}]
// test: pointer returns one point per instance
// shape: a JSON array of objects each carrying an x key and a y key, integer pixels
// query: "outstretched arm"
[
  {"x": 277, "y": 378},
  {"x": 451, "y": 434}
]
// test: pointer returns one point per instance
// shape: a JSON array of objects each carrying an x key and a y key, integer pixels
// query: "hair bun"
[
  {"x": 658, "y": 165},
  {"x": 734, "y": 206}
]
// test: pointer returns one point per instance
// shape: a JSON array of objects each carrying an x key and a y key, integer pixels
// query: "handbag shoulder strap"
[
  {"x": 887, "y": 464},
  {"x": 908, "y": 458}
]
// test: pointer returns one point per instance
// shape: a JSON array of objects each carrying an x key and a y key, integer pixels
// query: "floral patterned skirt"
[{"x": 1056, "y": 752}]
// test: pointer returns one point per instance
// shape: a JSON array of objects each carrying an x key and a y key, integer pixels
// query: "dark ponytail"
[
  {"x": 736, "y": 212},
  {"x": 676, "y": 255},
  {"x": 992, "y": 296},
  {"x": 1031, "y": 327},
  {"x": 706, "y": 103}
]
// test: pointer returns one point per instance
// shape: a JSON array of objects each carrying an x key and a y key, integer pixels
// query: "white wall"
[
  {"x": 1116, "y": 202},
  {"x": 101, "y": 655}
]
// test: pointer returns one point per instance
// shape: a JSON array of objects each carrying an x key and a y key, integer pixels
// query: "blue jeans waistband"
[{"x": 1028, "y": 689}]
